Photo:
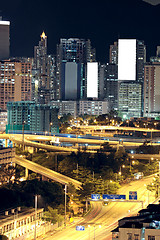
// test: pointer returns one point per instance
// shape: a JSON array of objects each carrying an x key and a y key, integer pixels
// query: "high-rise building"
[
  {"x": 77, "y": 51},
  {"x": 15, "y": 82},
  {"x": 131, "y": 59},
  {"x": 70, "y": 80},
  {"x": 113, "y": 53},
  {"x": 111, "y": 85},
  {"x": 4, "y": 39},
  {"x": 35, "y": 117},
  {"x": 43, "y": 72},
  {"x": 129, "y": 99},
  {"x": 151, "y": 88},
  {"x": 101, "y": 79}
]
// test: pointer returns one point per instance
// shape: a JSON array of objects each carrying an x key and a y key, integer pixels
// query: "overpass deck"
[{"x": 46, "y": 172}]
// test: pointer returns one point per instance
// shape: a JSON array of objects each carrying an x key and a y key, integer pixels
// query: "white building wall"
[
  {"x": 92, "y": 80},
  {"x": 126, "y": 59}
]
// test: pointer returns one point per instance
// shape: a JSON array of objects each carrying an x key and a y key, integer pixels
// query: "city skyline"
[{"x": 101, "y": 23}]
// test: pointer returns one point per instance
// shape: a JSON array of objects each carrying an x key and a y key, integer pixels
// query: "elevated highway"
[
  {"x": 37, "y": 141},
  {"x": 48, "y": 173}
]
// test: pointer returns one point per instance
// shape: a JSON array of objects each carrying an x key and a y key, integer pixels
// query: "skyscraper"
[
  {"x": 15, "y": 82},
  {"x": 151, "y": 88},
  {"x": 43, "y": 71},
  {"x": 79, "y": 52},
  {"x": 4, "y": 39},
  {"x": 111, "y": 85},
  {"x": 131, "y": 59}
]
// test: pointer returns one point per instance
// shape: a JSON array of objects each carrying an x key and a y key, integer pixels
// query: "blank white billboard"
[
  {"x": 127, "y": 59},
  {"x": 92, "y": 80}
]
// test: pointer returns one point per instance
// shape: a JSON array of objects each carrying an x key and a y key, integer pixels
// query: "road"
[
  {"x": 46, "y": 172},
  {"x": 39, "y": 141},
  {"x": 102, "y": 219}
]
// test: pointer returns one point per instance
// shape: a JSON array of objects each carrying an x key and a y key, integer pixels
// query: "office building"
[
  {"x": 66, "y": 107},
  {"x": 32, "y": 117},
  {"x": 146, "y": 225},
  {"x": 129, "y": 99},
  {"x": 111, "y": 85},
  {"x": 151, "y": 88},
  {"x": 4, "y": 39},
  {"x": 73, "y": 50},
  {"x": 70, "y": 80},
  {"x": 15, "y": 82},
  {"x": 93, "y": 107}
]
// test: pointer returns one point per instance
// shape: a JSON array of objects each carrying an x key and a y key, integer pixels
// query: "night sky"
[{"x": 103, "y": 22}]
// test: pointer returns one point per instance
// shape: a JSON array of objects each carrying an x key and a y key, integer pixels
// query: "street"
[{"x": 102, "y": 219}]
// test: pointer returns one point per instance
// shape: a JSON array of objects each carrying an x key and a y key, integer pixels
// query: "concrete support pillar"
[
  {"x": 86, "y": 206},
  {"x": 6, "y": 143},
  {"x": 35, "y": 150},
  {"x": 44, "y": 178},
  {"x": 26, "y": 173}
]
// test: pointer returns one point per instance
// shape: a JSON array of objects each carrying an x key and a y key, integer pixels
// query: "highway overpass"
[{"x": 48, "y": 173}]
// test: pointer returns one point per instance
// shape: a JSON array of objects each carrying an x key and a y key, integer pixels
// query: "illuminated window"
[
  {"x": 129, "y": 236},
  {"x": 151, "y": 237},
  {"x": 136, "y": 236}
]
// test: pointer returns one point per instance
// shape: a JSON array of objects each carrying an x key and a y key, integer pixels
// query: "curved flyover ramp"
[{"x": 46, "y": 172}]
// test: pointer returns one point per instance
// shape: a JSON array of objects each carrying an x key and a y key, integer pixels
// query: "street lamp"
[
  {"x": 131, "y": 162},
  {"x": 50, "y": 127},
  {"x": 95, "y": 230},
  {"x": 36, "y": 197},
  {"x": 23, "y": 134},
  {"x": 65, "y": 202}
]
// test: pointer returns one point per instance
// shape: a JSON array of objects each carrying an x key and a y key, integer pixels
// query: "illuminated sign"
[
  {"x": 126, "y": 59},
  {"x": 133, "y": 195},
  {"x": 95, "y": 196},
  {"x": 80, "y": 228},
  {"x": 92, "y": 80},
  {"x": 113, "y": 196}
]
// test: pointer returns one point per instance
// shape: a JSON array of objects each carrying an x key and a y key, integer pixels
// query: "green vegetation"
[
  {"x": 102, "y": 172},
  {"x": 22, "y": 194}
]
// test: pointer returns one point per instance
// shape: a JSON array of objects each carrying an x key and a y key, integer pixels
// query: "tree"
[
  {"x": 105, "y": 147},
  {"x": 52, "y": 215},
  {"x": 7, "y": 173}
]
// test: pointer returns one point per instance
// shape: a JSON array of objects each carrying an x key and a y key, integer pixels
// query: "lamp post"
[
  {"x": 36, "y": 197},
  {"x": 50, "y": 128},
  {"x": 65, "y": 202},
  {"x": 89, "y": 231},
  {"x": 23, "y": 134},
  {"x": 131, "y": 162},
  {"x": 95, "y": 231}
]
